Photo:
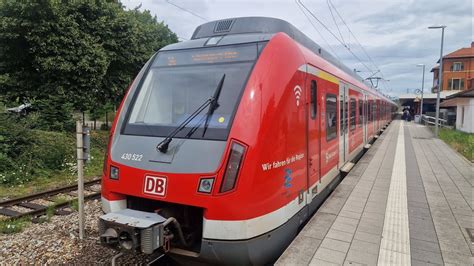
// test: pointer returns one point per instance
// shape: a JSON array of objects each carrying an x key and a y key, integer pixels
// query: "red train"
[{"x": 226, "y": 143}]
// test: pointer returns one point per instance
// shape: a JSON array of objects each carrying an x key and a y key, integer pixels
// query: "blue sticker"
[{"x": 287, "y": 183}]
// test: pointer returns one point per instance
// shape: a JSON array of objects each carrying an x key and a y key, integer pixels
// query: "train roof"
[{"x": 253, "y": 29}]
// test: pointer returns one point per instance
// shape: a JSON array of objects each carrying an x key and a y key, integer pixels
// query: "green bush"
[{"x": 26, "y": 152}]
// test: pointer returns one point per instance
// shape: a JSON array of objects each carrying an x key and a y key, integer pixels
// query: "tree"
[{"x": 80, "y": 52}]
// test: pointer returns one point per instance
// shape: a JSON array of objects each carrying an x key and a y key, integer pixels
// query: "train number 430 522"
[{"x": 132, "y": 157}]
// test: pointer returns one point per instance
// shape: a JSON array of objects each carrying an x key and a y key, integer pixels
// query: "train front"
[{"x": 169, "y": 155}]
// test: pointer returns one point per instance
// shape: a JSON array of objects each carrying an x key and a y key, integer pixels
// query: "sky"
[{"x": 393, "y": 33}]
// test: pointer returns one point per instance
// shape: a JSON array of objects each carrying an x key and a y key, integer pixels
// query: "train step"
[{"x": 347, "y": 167}]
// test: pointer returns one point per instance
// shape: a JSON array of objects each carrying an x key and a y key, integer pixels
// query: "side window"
[
  {"x": 341, "y": 114},
  {"x": 353, "y": 110},
  {"x": 369, "y": 111},
  {"x": 314, "y": 96},
  {"x": 361, "y": 113},
  {"x": 331, "y": 117},
  {"x": 374, "y": 110}
]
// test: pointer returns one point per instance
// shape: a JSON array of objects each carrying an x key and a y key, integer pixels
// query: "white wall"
[{"x": 468, "y": 124}]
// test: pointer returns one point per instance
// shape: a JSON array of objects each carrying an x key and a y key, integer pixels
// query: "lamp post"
[
  {"x": 440, "y": 78},
  {"x": 422, "y": 87}
]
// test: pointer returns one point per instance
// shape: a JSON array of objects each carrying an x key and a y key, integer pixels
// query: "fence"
[{"x": 431, "y": 121}]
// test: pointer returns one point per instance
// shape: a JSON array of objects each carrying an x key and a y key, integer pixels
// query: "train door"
[
  {"x": 314, "y": 145},
  {"x": 343, "y": 118}
]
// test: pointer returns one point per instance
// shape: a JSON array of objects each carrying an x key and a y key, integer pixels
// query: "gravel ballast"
[{"x": 57, "y": 242}]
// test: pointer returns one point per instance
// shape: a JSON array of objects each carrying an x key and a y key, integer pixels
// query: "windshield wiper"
[
  {"x": 164, "y": 144},
  {"x": 214, "y": 103}
]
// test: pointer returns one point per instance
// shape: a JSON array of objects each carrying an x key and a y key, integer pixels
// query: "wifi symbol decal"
[{"x": 297, "y": 91}]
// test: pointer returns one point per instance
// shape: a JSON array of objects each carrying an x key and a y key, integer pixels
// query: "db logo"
[{"x": 155, "y": 185}]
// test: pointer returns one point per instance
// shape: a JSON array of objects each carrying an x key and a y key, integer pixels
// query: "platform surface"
[{"x": 409, "y": 200}]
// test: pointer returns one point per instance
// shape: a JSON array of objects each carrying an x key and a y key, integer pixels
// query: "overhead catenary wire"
[
  {"x": 335, "y": 23},
  {"x": 353, "y": 35},
  {"x": 335, "y": 36},
  {"x": 319, "y": 33},
  {"x": 358, "y": 42},
  {"x": 187, "y": 10}
]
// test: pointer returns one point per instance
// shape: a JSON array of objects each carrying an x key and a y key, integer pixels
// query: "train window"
[
  {"x": 314, "y": 103},
  {"x": 331, "y": 117},
  {"x": 342, "y": 127},
  {"x": 353, "y": 111},
  {"x": 374, "y": 110},
  {"x": 361, "y": 113},
  {"x": 179, "y": 82},
  {"x": 369, "y": 111}
]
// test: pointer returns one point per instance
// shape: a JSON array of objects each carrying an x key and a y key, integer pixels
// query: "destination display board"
[{"x": 212, "y": 55}]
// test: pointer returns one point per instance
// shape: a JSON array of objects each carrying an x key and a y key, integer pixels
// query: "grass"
[
  {"x": 75, "y": 205},
  {"x": 13, "y": 226},
  {"x": 50, "y": 179},
  {"x": 460, "y": 141},
  {"x": 50, "y": 212},
  {"x": 47, "y": 182},
  {"x": 59, "y": 200}
]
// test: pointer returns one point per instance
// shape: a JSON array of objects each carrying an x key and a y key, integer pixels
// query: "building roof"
[
  {"x": 435, "y": 68},
  {"x": 462, "y": 94},
  {"x": 443, "y": 95},
  {"x": 465, "y": 52},
  {"x": 452, "y": 100}
]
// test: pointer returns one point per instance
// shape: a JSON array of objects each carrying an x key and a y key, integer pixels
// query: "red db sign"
[{"x": 155, "y": 185}]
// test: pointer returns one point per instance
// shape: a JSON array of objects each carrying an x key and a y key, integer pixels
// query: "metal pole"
[
  {"x": 80, "y": 179},
  {"x": 422, "y": 87},
  {"x": 440, "y": 86}
]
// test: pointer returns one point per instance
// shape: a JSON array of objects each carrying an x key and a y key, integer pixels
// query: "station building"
[{"x": 463, "y": 105}]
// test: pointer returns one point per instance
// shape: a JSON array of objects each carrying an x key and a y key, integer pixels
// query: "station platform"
[{"x": 409, "y": 200}]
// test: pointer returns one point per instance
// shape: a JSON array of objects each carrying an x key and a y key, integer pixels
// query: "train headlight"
[
  {"x": 205, "y": 185},
  {"x": 233, "y": 166},
  {"x": 114, "y": 173}
]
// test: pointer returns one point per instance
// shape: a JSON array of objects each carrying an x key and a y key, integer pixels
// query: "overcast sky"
[{"x": 393, "y": 32}]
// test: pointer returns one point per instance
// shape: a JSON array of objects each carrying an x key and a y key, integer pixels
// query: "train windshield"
[{"x": 178, "y": 82}]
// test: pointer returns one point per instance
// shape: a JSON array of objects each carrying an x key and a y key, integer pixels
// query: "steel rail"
[
  {"x": 57, "y": 206},
  {"x": 45, "y": 194}
]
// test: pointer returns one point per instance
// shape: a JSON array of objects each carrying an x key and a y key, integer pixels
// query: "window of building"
[
  {"x": 462, "y": 116},
  {"x": 353, "y": 111},
  {"x": 361, "y": 113},
  {"x": 456, "y": 84},
  {"x": 457, "y": 66},
  {"x": 331, "y": 117}
]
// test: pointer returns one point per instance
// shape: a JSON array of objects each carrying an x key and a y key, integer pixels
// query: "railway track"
[{"x": 39, "y": 203}]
